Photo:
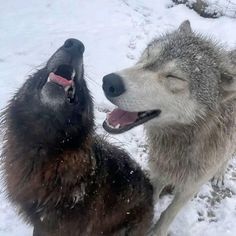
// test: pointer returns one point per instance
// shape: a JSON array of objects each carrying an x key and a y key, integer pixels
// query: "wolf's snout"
[
  {"x": 70, "y": 53},
  {"x": 73, "y": 46},
  {"x": 113, "y": 85},
  {"x": 65, "y": 72}
]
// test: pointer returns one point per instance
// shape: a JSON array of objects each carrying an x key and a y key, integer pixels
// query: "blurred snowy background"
[{"x": 211, "y": 8}]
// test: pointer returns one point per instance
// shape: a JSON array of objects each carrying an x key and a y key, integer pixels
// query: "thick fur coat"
[{"x": 183, "y": 89}]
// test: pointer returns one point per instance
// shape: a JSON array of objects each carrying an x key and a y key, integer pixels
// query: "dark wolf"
[{"x": 63, "y": 178}]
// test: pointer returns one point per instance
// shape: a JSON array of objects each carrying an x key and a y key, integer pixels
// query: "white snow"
[
  {"x": 224, "y": 7},
  {"x": 114, "y": 33}
]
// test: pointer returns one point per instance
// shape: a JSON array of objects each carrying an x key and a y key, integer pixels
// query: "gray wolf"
[
  {"x": 63, "y": 178},
  {"x": 183, "y": 90}
]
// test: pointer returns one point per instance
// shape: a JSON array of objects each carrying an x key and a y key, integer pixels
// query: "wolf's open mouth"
[
  {"x": 64, "y": 76},
  {"x": 119, "y": 121}
]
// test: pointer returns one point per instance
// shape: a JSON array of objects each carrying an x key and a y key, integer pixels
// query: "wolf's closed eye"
[{"x": 175, "y": 77}]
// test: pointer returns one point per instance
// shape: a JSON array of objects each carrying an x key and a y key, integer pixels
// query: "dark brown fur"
[{"x": 64, "y": 179}]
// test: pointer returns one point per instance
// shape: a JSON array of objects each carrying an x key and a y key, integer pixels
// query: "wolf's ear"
[
  {"x": 185, "y": 27},
  {"x": 228, "y": 76}
]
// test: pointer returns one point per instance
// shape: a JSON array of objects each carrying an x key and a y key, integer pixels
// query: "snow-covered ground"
[{"x": 114, "y": 33}]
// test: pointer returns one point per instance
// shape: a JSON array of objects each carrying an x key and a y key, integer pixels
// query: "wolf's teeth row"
[
  {"x": 70, "y": 93},
  {"x": 142, "y": 115},
  {"x": 113, "y": 127},
  {"x": 70, "y": 86}
]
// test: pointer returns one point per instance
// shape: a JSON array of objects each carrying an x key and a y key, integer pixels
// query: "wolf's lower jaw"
[
  {"x": 142, "y": 117},
  {"x": 64, "y": 76}
]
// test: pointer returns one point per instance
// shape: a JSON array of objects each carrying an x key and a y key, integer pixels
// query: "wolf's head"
[
  {"x": 179, "y": 77},
  {"x": 53, "y": 108}
]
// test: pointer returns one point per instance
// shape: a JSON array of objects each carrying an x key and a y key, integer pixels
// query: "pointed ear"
[
  {"x": 228, "y": 76},
  {"x": 185, "y": 27}
]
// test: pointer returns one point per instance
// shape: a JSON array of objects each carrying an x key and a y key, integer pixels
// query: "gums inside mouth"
[
  {"x": 64, "y": 76},
  {"x": 119, "y": 121}
]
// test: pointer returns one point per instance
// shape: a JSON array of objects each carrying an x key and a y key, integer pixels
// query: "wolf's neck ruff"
[
  {"x": 166, "y": 143},
  {"x": 41, "y": 164}
]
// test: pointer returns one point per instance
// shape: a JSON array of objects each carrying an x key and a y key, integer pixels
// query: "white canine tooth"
[
  {"x": 73, "y": 87},
  {"x": 117, "y": 126},
  {"x": 67, "y": 88},
  {"x": 111, "y": 126},
  {"x": 142, "y": 115},
  {"x": 73, "y": 74}
]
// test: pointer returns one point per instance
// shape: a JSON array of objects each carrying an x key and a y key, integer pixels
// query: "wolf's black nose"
[
  {"x": 73, "y": 46},
  {"x": 113, "y": 85}
]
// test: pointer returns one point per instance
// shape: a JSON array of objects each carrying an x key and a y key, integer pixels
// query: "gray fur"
[{"x": 193, "y": 82}]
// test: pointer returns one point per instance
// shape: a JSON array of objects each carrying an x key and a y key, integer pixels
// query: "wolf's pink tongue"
[
  {"x": 122, "y": 118},
  {"x": 60, "y": 80}
]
